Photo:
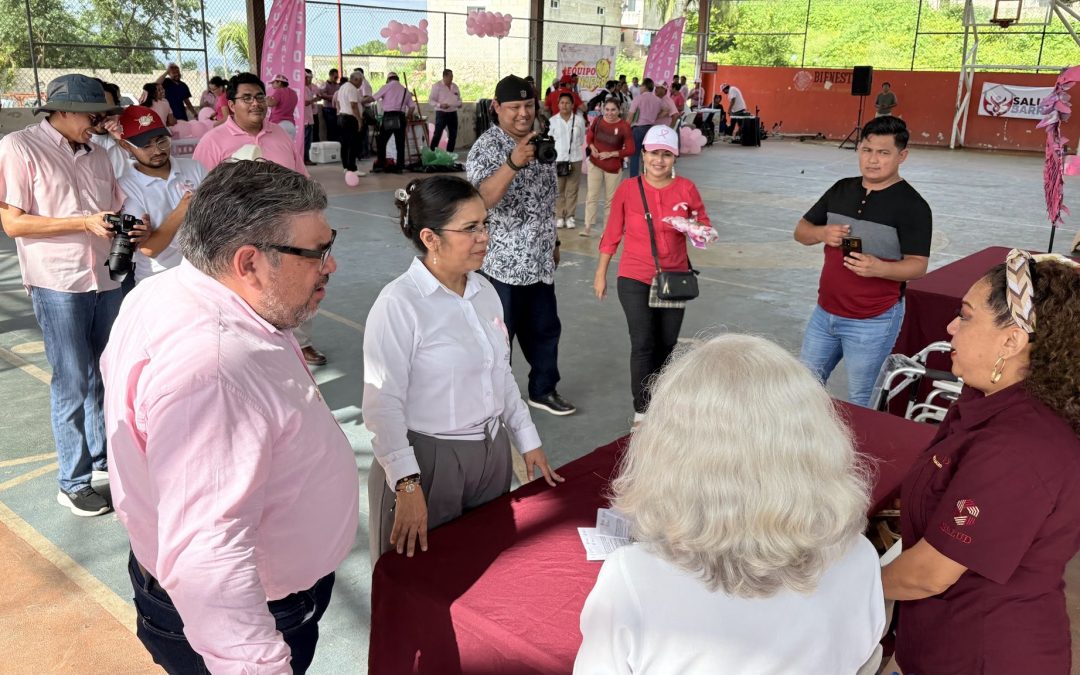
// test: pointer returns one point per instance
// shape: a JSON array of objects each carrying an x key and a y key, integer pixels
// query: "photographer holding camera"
[
  {"x": 57, "y": 194},
  {"x": 514, "y": 170}
]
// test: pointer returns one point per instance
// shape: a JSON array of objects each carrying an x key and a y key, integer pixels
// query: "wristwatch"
[{"x": 408, "y": 484}]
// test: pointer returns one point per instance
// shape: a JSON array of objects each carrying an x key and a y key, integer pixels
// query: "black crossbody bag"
[
  {"x": 670, "y": 286},
  {"x": 563, "y": 168}
]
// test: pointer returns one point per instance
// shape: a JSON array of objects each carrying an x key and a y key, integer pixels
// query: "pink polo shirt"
[
  {"x": 286, "y": 104},
  {"x": 222, "y": 141},
  {"x": 230, "y": 473},
  {"x": 41, "y": 175},
  {"x": 651, "y": 110}
]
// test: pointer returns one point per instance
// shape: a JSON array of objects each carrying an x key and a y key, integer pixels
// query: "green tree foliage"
[
  {"x": 881, "y": 33},
  {"x": 121, "y": 35},
  {"x": 231, "y": 41}
]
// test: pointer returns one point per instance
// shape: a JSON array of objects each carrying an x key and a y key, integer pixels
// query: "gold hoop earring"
[{"x": 998, "y": 371}]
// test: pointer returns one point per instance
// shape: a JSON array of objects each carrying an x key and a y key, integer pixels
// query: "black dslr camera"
[
  {"x": 120, "y": 263},
  {"x": 545, "y": 148}
]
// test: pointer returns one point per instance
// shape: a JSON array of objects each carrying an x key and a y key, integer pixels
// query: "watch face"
[{"x": 410, "y": 488}]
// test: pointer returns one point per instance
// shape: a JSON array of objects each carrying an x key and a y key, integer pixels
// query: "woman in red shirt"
[
  {"x": 653, "y": 331},
  {"x": 991, "y": 511},
  {"x": 610, "y": 140}
]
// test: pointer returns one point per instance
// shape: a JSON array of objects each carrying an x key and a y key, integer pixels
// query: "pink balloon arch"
[
  {"x": 489, "y": 24},
  {"x": 404, "y": 37}
]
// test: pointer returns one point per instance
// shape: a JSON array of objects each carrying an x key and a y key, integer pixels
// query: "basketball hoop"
[{"x": 1006, "y": 12}]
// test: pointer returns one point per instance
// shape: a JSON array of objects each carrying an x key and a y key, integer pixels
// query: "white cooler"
[{"x": 326, "y": 152}]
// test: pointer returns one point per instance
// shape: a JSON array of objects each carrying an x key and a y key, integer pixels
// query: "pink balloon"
[
  {"x": 509, "y": 17},
  {"x": 424, "y": 23},
  {"x": 385, "y": 32},
  {"x": 424, "y": 39},
  {"x": 351, "y": 179},
  {"x": 392, "y": 42},
  {"x": 395, "y": 26}
]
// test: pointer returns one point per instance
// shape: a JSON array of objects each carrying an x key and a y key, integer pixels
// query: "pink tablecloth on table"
[{"x": 500, "y": 590}]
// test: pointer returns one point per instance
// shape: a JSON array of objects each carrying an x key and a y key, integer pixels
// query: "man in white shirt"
[
  {"x": 635, "y": 88},
  {"x": 102, "y": 133},
  {"x": 158, "y": 188},
  {"x": 736, "y": 106},
  {"x": 445, "y": 100},
  {"x": 348, "y": 102}
]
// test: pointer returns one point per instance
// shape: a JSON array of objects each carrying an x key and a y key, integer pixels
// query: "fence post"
[
  {"x": 205, "y": 47},
  {"x": 33, "y": 52}
]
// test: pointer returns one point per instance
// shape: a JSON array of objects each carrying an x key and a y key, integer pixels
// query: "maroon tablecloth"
[
  {"x": 934, "y": 300},
  {"x": 500, "y": 590}
]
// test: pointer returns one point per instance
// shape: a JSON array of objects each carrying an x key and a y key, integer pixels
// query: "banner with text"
[
  {"x": 283, "y": 54},
  {"x": 663, "y": 57},
  {"x": 593, "y": 64},
  {"x": 1011, "y": 100}
]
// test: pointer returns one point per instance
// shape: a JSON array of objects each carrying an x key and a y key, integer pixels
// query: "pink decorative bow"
[{"x": 1056, "y": 108}]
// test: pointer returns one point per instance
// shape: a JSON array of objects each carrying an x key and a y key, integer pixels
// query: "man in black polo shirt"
[{"x": 861, "y": 295}]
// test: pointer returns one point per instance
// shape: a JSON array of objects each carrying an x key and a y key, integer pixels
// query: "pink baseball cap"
[{"x": 661, "y": 137}]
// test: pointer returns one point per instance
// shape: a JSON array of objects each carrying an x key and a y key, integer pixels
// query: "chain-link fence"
[
  {"x": 887, "y": 34},
  {"x": 129, "y": 42}
]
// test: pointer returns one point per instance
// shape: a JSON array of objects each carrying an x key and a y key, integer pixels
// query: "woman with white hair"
[{"x": 747, "y": 504}]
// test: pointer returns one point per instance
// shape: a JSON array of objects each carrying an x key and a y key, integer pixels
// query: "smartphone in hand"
[{"x": 851, "y": 245}]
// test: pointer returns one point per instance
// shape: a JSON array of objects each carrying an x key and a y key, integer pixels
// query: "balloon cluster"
[
  {"x": 404, "y": 37},
  {"x": 488, "y": 24},
  {"x": 691, "y": 140}
]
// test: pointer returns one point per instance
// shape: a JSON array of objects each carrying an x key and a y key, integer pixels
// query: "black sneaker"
[
  {"x": 84, "y": 502},
  {"x": 554, "y": 404}
]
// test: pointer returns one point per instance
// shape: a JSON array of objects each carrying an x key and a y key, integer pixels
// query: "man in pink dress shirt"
[
  {"x": 56, "y": 188},
  {"x": 247, "y": 125},
  {"x": 238, "y": 489},
  {"x": 397, "y": 103},
  {"x": 445, "y": 100}
]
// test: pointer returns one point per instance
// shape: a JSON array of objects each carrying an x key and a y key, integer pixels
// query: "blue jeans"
[
  {"x": 532, "y": 314},
  {"x": 161, "y": 629},
  {"x": 75, "y": 327},
  {"x": 635, "y": 159},
  {"x": 864, "y": 344}
]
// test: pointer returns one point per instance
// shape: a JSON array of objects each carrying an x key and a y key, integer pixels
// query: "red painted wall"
[{"x": 810, "y": 100}]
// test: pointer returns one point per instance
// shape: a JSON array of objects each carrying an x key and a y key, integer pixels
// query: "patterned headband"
[
  {"x": 403, "y": 195},
  {"x": 1020, "y": 293}
]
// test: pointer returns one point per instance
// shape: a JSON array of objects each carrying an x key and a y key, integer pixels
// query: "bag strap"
[
  {"x": 652, "y": 232},
  {"x": 648, "y": 219}
]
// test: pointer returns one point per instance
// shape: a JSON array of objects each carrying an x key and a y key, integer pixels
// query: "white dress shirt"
[
  {"x": 158, "y": 198},
  {"x": 118, "y": 157},
  {"x": 346, "y": 95},
  {"x": 569, "y": 137},
  {"x": 438, "y": 364},
  {"x": 645, "y": 615}
]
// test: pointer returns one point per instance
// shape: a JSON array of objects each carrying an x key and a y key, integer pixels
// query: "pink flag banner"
[
  {"x": 664, "y": 51},
  {"x": 283, "y": 53}
]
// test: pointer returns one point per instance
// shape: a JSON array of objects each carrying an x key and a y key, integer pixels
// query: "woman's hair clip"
[{"x": 401, "y": 195}]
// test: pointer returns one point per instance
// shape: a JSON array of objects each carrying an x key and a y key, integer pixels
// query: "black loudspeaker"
[{"x": 862, "y": 80}]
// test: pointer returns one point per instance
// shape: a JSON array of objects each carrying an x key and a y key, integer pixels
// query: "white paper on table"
[
  {"x": 612, "y": 523},
  {"x": 599, "y": 546}
]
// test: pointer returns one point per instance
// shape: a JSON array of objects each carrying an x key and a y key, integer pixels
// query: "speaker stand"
[{"x": 853, "y": 137}]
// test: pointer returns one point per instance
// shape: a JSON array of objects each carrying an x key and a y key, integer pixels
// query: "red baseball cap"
[{"x": 140, "y": 125}]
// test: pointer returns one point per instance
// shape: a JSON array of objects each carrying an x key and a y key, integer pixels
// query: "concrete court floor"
[{"x": 67, "y": 608}]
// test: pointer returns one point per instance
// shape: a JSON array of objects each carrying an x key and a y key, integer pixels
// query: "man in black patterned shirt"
[{"x": 523, "y": 250}]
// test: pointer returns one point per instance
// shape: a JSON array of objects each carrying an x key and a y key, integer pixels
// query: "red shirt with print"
[{"x": 626, "y": 223}]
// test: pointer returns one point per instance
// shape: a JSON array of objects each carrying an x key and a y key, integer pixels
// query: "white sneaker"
[
  {"x": 570, "y": 224},
  {"x": 560, "y": 223}
]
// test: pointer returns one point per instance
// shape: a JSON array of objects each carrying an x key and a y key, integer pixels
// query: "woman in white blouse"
[
  {"x": 439, "y": 395},
  {"x": 568, "y": 130},
  {"x": 747, "y": 504}
]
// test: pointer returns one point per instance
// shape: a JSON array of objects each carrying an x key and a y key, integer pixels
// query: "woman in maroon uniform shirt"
[{"x": 991, "y": 511}]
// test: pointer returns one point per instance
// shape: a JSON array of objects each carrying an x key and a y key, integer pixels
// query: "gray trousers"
[{"x": 456, "y": 476}]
